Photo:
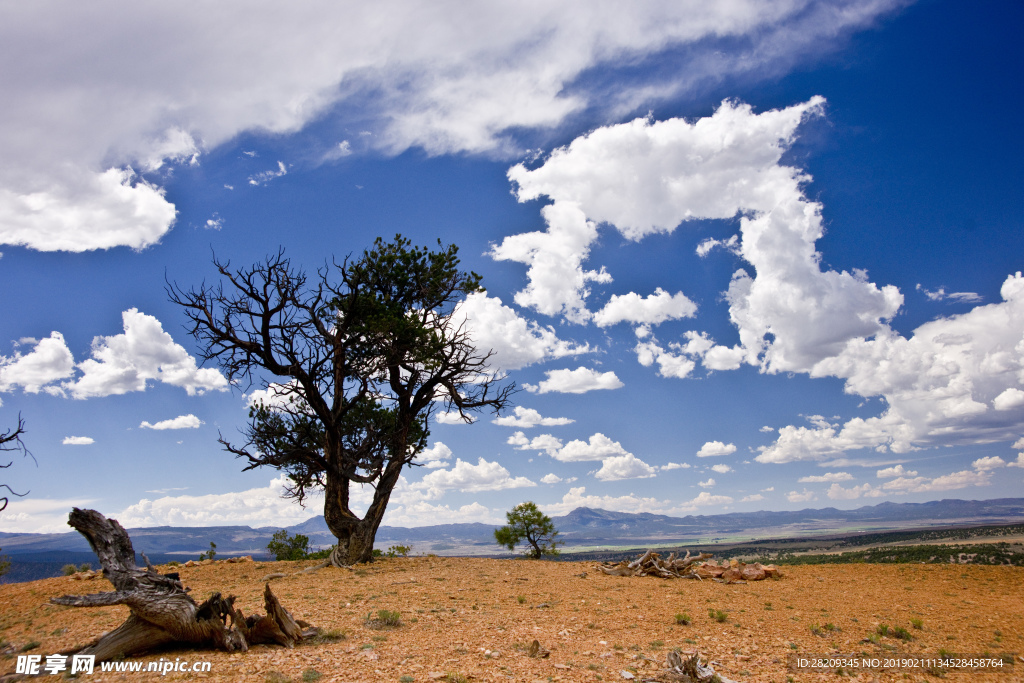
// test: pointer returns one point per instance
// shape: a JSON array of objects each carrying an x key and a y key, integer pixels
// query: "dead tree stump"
[{"x": 162, "y": 612}]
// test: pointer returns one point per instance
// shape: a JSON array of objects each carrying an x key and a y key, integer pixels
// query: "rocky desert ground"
[{"x": 465, "y": 619}]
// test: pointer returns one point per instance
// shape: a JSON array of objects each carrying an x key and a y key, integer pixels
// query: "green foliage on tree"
[
  {"x": 285, "y": 547},
  {"x": 528, "y": 526},
  {"x": 209, "y": 554}
]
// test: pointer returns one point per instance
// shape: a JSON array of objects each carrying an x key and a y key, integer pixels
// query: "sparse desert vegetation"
[{"x": 462, "y": 619}]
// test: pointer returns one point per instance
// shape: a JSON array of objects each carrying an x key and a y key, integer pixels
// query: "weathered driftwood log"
[
  {"x": 651, "y": 564},
  {"x": 162, "y": 612},
  {"x": 680, "y": 668}
]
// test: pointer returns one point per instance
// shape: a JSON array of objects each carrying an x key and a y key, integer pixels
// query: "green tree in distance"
[
  {"x": 285, "y": 547},
  {"x": 354, "y": 361},
  {"x": 528, "y": 524}
]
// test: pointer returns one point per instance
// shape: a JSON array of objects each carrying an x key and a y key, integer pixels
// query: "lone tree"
[
  {"x": 361, "y": 355},
  {"x": 527, "y": 523}
]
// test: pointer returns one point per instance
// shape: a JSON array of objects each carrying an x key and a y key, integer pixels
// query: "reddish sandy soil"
[{"x": 475, "y": 619}]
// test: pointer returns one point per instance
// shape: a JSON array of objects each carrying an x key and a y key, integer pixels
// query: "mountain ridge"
[{"x": 580, "y": 527}]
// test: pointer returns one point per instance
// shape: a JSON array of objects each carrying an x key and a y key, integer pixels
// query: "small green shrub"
[
  {"x": 209, "y": 554},
  {"x": 406, "y": 679},
  {"x": 332, "y": 635},
  {"x": 917, "y": 623},
  {"x": 384, "y": 619},
  {"x": 399, "y": 551},
  {"x": 311, "y": 675},
  {"x": 902, "y": 633},
  {"x": 882, "y": 630},
  {"x": 69, "y": 569},
  {"x": 721, "y": 616},
  {"x": 683, "y": 619},
  {"x": 85, "y": 567},
  {"x": 321, "y": 554}
]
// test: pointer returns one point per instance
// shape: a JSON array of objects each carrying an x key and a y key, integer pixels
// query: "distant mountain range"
[{"x": 581, "y": 528}]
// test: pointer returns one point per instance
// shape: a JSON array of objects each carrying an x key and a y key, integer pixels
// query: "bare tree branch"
[{"x": 11, "y": 441}]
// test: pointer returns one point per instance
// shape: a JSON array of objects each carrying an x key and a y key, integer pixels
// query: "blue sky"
[{"x": 754, "y": 256}]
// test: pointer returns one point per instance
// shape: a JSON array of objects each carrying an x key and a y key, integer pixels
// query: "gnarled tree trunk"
[
  {"x": 161, "y": 610},
  {"x": 355, "y": 536}
]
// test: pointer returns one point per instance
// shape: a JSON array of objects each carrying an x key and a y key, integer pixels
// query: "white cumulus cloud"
[
  {"x": 897, "y": 471},
  {"x": 515, "y": 341},
  {"x": 552, "y": 478},
  {"x": 189, "y": 421},
  {"x": 81, "y": 210},
  {"x": 94, "y": 91},
  {"x": 598, "y": 447},
  {"x": 669, "y": 364},
  {"x": 837, "y": 492},
  {"x": 464, "y": 476},
  {"x": 125, "y": 362},
  {"x": 825, "y": 478},
  {"x": 260, "y": 506},
  {"x": 543, "y": 442},
  {"x": 578, "y": 497},
  {"x": 528, "y": 417},
  {"x": 988, "y": 463},
  {"x": 715, "y": 448},
  {"x": 937, "y": 385},
  {"x": 49, "y": 360},
  {"x": 451, "y": 418},
  {"x": 627, "y": 466},
  {"x": 649, "y": 310},
  {"x": 704, "y": 499},
  {"x": 1010, "y": 398},
  {"x": 78, "y": 440},
  {"x": 721, "y": 468},
  {"x": 578, "y": 381},
  {"x": 434, "y": 457},
  {"x": 801, "y": 497}
]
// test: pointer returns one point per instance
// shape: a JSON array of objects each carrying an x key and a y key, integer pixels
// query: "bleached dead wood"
[
  {"x": 651, "y": 564},
  {"x": 162, "y": 612},
  {"x": 681, "y": 668}
]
